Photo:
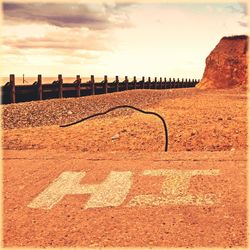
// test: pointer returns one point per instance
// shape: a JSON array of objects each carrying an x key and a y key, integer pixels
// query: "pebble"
[
  {"x": 52, "y": 112},
  {"x": 194, "y": 132},
  {"x": 115, "y": 137}
]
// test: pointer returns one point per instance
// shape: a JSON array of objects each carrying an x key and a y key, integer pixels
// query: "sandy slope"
[{"x": 197, "y": 120}]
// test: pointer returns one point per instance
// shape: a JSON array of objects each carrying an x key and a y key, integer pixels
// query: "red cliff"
[{"x": 226, "y": 65}]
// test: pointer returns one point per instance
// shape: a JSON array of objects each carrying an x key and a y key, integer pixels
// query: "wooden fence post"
[
  {"x": 178, "y": 83},
  {"x": 39, "y": 87},
  {"x": 134, "y": 82},
  {"x": 105, "y": 84},
  {"x": 174, "y": 84},
  {"x": 60, "y": 86},
  {"x": 182, "y": 83},
  {"x": 149, "y": 83},
  {"x": 92, "y": 84},
  {"x": 78, "y": 85},
  {"x": 165, "y": 82},
  {"x": 117, "y": 83},
  {"x": 170, "y": 83},
  {"x": 143, "y": 82},
  {"x": 13, "y": 89},
  {"x": 155, "y": 83},
  {"x": 193, "y": 83},
  {"x": 126, "y": 82}
]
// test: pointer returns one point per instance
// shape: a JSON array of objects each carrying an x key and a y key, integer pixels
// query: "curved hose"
[{"x": 125, "y": 106}]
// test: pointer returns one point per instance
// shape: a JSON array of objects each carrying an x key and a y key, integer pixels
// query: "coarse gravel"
[{"x": 61, "y": 111}]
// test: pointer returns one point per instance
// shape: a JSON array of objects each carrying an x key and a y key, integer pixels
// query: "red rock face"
[{"x": 226, "y": 65}]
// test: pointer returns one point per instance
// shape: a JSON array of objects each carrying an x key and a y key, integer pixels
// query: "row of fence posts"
[{"x": 77, "y": 83}]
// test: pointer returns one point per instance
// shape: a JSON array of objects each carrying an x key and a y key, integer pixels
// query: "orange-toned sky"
[{"x": 150, "y": 39}]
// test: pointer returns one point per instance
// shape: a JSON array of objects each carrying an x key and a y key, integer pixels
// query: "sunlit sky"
[{"x": 134, "y": 39}]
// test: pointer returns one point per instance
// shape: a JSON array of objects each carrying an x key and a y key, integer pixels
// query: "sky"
[{"x": 114, "y": 38}]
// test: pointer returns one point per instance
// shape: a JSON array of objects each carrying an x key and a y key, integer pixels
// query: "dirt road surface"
[{"x": 109, "y": 183}]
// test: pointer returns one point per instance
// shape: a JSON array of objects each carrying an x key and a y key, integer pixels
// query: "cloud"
[
  {"x": 52, "y": 43},
  {"x": 239, "y": 8},
  {"x": 243, "y": 24},
  {"x": 62, "y": 39},
  {"x": 243, "y": 7},
  {"x": 61, "y": 28},
  {"x": 7, "y": 50},
  {"x": 92, "y": 16}
]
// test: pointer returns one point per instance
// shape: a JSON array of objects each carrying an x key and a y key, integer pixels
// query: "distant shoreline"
[{"x": 31, "y": 79}]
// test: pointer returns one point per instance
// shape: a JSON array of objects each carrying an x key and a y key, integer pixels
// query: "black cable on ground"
[{"x": 125, "y": 106}]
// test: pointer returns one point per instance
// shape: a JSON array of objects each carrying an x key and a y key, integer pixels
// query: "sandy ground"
[{"x": 207, "y": 130}]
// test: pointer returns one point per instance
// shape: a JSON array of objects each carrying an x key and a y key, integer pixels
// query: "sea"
[{"x": 30, "y": 80}]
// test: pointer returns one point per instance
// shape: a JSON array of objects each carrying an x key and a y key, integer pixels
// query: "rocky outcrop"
[{"x": 226, "y": 65}]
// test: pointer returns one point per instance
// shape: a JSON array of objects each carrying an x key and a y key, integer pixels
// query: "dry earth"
[{"x": 207, "y": 130}]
